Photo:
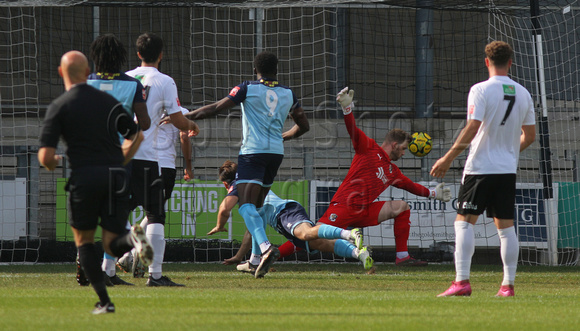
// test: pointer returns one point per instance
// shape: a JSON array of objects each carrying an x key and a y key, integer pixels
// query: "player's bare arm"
[
  {"x": 140, "y": 110},
  {"x": 228, "y": 203},
  {"x": 211, "y": 109},
  {"x": 186, "y": 150},
  {"x": 48, "y": 158},
  {"x": 465, "y": 137},
  {"x": 528, "y": 136},
  {"x": 182, "y": 123},
  {"x": 131, "y": 145},
  {"x": 301, "y": 127},
  {"x": 241, "y": 253}
]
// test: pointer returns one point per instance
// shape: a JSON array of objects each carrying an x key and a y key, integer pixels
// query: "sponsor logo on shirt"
[
  {"x": 271, "y": 83},
  {"x": 471, "y": 109},
  {"x": 509, "y": 89},
  {"x": 106, "y": 75},
  {"x": 381, "y": 175},
  {"x": 234, "y": 91},
  {"x": 178, "y": 103},
  {"x": 380, "y": 157}
]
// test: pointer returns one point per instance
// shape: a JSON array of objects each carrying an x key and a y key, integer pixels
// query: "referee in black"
[{"x": 90, "y": 121}]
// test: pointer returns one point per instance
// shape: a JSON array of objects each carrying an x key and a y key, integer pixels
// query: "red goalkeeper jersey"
[{"x": 371, "y": 172}]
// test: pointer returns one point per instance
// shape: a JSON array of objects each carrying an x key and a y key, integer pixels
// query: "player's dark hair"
[
  {"x": 499, "y": 53},
  {"x": 227, "y": 172},
  {"x": 108, "y": 53},
  {"x": 397, "y": 135},
  {"x": 150, "y": 46},
  {"x": 266, "y": 64}
]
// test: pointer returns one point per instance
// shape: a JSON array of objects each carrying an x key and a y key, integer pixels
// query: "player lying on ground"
[{"x": 289, "y": 219}]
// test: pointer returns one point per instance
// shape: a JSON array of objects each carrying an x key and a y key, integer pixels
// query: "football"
[{"x": 420, "y": 144}]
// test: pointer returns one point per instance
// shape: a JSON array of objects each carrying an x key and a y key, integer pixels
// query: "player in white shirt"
[
  {"x": 166, "y": 152},
  {"x": 146, "y": 183},
  {"x": 500, "y": 124}
]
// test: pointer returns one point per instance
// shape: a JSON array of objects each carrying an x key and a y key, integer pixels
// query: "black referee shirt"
[{"x": 89, "y": 122}]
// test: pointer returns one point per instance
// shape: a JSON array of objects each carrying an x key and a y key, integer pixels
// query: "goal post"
[{"x": 322, "y": 47}]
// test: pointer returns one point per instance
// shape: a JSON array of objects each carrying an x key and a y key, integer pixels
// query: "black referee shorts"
[{"x": 99, "y": 192}]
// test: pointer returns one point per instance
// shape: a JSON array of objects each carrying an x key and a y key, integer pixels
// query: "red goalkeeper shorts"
[{"x": 343, "y": 216}]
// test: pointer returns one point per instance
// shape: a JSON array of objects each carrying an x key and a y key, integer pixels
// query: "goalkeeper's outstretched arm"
[{"x": 360, "y": 141}]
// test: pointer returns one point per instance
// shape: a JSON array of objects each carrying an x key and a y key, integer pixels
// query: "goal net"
[
  {"x": 19, "y": 111},
  {"x": 411, "y": 66},
  {"x": 546, "y": 62}
]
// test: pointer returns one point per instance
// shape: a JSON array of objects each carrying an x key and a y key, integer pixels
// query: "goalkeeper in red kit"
[{"x": 371, "y": 172}]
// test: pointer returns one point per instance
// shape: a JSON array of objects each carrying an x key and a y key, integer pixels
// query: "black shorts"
[
  {"x": 290, "y": 217},
  {"x": 495, "y": 193},
  {"x": 258, "y": 168},
  {"x": 147, "y": 190},
  {"x": 99, "y": 192},
  {"x": 168, "y": 176}
]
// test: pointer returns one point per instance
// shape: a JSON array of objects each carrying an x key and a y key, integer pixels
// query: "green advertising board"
[
  {"x": 568, "y": 215},
  {"x": 192, "y": 210}
]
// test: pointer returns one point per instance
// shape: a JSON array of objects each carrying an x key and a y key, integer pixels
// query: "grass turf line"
[{"x": 293, "y": 297}]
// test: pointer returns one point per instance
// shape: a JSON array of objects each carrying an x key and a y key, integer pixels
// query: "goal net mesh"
[{"x": 411, "y": 66}]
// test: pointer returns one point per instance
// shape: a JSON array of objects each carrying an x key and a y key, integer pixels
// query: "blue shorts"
[
  {"x": 288, "y": 219},
  {"x": 258, "y": 168}
]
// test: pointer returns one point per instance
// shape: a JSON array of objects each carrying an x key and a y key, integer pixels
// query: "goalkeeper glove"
[
  {"x": 440, "y": 192},
  {"x": 344, "y": 97}
]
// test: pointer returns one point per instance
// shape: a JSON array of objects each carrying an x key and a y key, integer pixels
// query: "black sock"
[
  {"x": 90, "y": 264},
  {"x": 121, "y": 245}
]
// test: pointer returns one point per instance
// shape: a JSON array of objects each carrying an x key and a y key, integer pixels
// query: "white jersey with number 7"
[{"x": 502, "y": 106}]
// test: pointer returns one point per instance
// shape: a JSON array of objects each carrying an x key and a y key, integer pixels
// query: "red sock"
[
  {"x": 287, "y": 248},
  {"x": 402, "y": 227}
]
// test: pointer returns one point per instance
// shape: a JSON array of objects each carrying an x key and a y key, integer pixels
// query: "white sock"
[
  {"x": 156, "y": 236},
  {"x": 264, "y": 246},
  {"x": 355, "y": 253},
  {"x": 255, "y": 259},
  {"x": 345, "y": 234},
  {"x": 464, "y": 248},
  {"x": 402, "y": 255},
  {"x": 108, "y": 266},
  {"x": 111, "y": 267},
  {"x": 509, "y": 250}
]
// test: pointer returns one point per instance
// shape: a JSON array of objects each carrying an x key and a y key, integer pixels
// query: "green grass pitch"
[{"x": 294, "y": 297}]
